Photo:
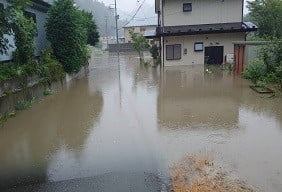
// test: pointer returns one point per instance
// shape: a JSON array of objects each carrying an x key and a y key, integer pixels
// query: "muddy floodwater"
[{"x": 122, "y": 126}]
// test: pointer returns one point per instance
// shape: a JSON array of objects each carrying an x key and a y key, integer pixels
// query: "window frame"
[
  {"x": 187, "y": 4},
  {"x": 174, "y": 46},
  {"x": 198, "y": 43}
]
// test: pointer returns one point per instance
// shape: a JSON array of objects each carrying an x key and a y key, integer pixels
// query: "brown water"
[{"x": 127, "y": 119}]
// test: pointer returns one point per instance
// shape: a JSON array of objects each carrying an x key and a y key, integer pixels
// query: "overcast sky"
[{"x": 130, "y": 5}]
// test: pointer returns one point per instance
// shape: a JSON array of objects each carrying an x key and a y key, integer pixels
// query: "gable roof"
[{"x": 206, "y": 29}]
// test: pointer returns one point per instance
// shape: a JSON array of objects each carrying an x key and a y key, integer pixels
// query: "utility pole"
[
  {"x": 117, "y": 17},
  {"x": 107, "y": 34}
]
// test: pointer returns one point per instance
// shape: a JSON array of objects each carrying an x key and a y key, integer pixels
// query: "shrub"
[
  {"x": 255, "y": 71},
  {"x": 50, "y": 69},
  {"x": 9, "y": 71},
  {"x": 22, "y": 105},
  {"x": 48, "y": 91},
  {"x": 154, "y": 51},
  {"x": 67, "y": 33}
]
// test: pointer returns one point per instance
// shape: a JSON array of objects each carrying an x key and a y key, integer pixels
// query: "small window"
[
  {"x": 142, "y": 29},
  {"x": 173, "y": 52},
  {"x": 198, "y": 46},
  {"x": 187, "y": 7}
]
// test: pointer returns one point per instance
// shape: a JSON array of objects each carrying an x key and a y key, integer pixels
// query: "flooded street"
[{"x": 122, "y": 126}]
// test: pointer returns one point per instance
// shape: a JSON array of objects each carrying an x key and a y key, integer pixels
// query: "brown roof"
[{"x": 206, "y": 29}]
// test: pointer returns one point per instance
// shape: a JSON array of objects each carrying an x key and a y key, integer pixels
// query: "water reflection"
[
  {"x": 201, "y": 111},
  {"x": 29, "y": 140},
  {"x": 190, "y": 96}
]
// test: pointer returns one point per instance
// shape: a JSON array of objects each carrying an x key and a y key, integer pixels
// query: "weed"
[
  {"x": 196, "y": 173},
  {"x": 22, "y": 105},
  {"x": 48, "y": 91},
  {"x": 6, "y": 117}
]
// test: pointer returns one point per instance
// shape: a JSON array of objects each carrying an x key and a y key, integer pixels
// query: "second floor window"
[{"x": 187, "y": 7}]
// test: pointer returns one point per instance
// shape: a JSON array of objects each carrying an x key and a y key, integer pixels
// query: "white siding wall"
[
  {"x": 193, "y": 57},
  {"x": 203, "y": 12}
]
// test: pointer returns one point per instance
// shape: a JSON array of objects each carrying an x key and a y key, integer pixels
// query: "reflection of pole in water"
[{"x": 119, "y": 79}]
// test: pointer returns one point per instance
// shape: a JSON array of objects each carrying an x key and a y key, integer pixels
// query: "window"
[
  {"x": 142, "y": 29},
  {"x": 187, "y": 7},
  {"x": 198, "y": 46},
  {"x": 173, "y": 52}
]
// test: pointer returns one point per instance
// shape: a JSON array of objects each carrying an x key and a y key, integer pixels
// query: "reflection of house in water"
[
  {"x": 190, "y": 96},
  {"x": 28, "y": 141}
]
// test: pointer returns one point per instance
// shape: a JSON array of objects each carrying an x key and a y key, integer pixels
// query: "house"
[
  {"x": 37, "y": 11},
  {"x": 140, "y": 26},
  {"x": 200, "y": 31}
]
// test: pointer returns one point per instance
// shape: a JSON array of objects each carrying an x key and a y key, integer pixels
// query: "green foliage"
[
  {"x": 90, "y": 25},
  {"x": 50, "y": 70},
  {"x": 9, "y": 71},
  {"x": 140, "y": 43},
  {"x": 255, "y": 71},
  {"x": 267, "y": 14},
  {"x": 4, "y": 29},
  {"x": 6, "y": 117},
  {"x": 67, "y": 33},
  {"x": 48, "y": 91},
  {"x": 22, "y": 104},
  {"x": 154, "y": 51},
  {"x": 24, "y": 30}
]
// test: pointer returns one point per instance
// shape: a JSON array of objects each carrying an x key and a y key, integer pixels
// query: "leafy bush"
[
  {"x": 154, "y": 51},
  {"x": 67, "y": 33},
  {"x": 9, "y": 71},
  {"x": 24, "y": 30},
  {"x": 255, "y": 71},
  {"x": 22, "y": 105},
  {"x": 48, "y": 91},
  {"x": 50, "y": 69},
  {"x": 140, "y": 43}
]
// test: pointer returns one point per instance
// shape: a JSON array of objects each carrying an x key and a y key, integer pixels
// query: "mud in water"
[{"x": 133, "y": 121}]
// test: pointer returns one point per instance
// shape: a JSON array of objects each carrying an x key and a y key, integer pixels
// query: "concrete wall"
[
  {"x": 40, "y": 40},
  {"x": 192, "y": 57},
  {"x": 203, "y": 12},
  {"x": 136, "y": 30}
]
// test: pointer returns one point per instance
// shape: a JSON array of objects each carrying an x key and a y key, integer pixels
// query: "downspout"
[{"x": 162, "y": 23}]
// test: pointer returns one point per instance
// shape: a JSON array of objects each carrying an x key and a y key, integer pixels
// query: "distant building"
[
  {"x": 37, "y": 11},
  {"x": 200, "y": 32},
  {"x": 140, "y": 26}
]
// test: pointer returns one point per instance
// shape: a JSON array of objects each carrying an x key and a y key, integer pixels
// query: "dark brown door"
[{"x": 214, "y": 55}]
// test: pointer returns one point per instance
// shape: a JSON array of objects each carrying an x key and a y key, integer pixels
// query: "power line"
[{"x": 134, "y": 14}]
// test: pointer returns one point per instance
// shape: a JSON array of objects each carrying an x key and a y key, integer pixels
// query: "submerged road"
[{"x": 122, "y": 126}]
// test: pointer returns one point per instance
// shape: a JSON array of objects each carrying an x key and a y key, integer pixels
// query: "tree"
[
  {"x": 267, "y": 14},
  {"x": 90, "y": 25},
  {"x": 67, "y": 33},
  {"x": 140, "y": 43}
]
